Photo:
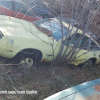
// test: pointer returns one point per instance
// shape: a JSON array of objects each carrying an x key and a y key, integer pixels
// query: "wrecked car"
[
  {"x": 40, "y": 9},
  {"x": 27, "y": 42},
  {"x": 17, "y": 9}
]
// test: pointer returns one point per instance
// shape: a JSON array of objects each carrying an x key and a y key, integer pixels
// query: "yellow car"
[{"x": 27, "y": 42}]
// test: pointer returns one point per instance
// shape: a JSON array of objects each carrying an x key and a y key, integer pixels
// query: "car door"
[
  {"x": 6, "y": 7},
  {"x": 81, "y": 48},
  {"x": 22, "y": 11},
  {"x": 95, "y": 49}
]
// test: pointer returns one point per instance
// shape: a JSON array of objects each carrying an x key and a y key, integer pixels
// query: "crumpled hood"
[{"x": 54, "y": 26}]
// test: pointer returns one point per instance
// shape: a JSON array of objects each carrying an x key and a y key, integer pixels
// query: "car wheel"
[
  {"x": 26, "y": 62},
  {"x": 27, "y": 59},
  {"x": 88, "y": 64}
]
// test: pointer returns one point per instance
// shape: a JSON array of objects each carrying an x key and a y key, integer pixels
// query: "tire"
[
  {"x": 89, "y": 63},
  {"x": 27, "y": 58}
]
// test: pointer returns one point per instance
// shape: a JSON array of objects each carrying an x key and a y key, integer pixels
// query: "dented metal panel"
[{"x": 53, "y": 26}]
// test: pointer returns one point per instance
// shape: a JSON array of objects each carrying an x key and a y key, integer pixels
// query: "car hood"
[
  {"x": 16, "y": 27},
  {"x": 53, "y": 25}
]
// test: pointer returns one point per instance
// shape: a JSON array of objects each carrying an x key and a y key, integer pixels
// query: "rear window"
[
  {"x": 6, "y": 4},
  {"x": 18, "y": 7}
]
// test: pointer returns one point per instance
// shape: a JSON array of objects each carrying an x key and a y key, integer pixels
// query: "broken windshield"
[{"x": 53, "y": 26}]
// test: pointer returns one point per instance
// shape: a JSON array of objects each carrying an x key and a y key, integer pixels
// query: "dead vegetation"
[
  {"x": 96, "y": 25},
  {"x": 44, "y": 79}
]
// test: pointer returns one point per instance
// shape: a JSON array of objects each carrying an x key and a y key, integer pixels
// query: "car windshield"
[{"x": 53, "y": 26}]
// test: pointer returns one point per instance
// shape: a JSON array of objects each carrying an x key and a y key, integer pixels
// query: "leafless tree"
[
  {"x": 84, "y": 13},
  {"x": 81, "y": 11}
]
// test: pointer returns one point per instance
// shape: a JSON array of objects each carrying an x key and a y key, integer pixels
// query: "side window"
[
  {"x": 22, "y": 9},
  {"x": 6, "y": 4},
  {"x": 77, "y": 36},
  {"x": 30, "y": 13},
  {"x": 68, "y": 40},
  {"x": 18, "y": 7},
  {"x": 74, "y": 39},
  {"x": 2, "y": 3},
  {"x": 82, "y": 43},
  {"x": 93, "y": 45}
]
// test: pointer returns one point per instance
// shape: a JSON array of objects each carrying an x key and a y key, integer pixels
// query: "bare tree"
[{"x": 84, "y": 13}]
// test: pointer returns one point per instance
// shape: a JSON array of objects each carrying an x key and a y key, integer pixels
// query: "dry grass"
[{"x": 45, "y": 79}]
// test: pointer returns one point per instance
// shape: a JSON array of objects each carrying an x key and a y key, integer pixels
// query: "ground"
[{"x": 46, "y": 80}]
